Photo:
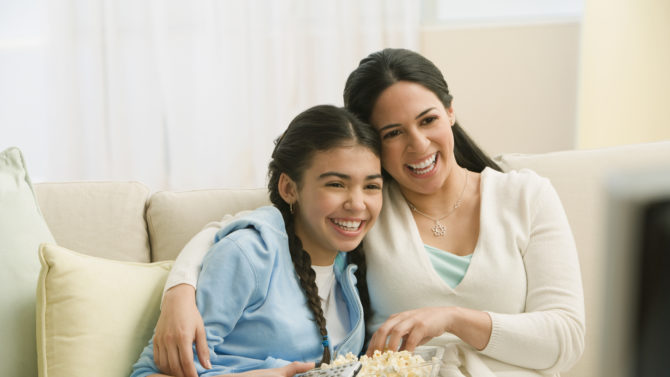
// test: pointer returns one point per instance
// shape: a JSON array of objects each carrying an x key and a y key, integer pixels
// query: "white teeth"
[
  {"x": 425, "y": 163},
  {"x": 347, "y": 225},
  {"x": 425, "y": 166}
]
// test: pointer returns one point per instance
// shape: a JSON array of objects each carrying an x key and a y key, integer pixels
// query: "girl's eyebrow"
[
  {"x": 345, "y": 176},
  {"x": 398, "y": 124}
]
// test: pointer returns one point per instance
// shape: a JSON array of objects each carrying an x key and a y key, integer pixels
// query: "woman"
[
  {"x": 463, "y": 255},
  {"x": 279, "y": 283}
]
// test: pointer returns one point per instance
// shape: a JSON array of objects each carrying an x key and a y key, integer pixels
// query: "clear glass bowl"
[{"x": 429, "y": 368}]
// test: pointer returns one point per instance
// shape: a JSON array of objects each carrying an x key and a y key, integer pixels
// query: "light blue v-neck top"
[{"x": 450, "y": 267}]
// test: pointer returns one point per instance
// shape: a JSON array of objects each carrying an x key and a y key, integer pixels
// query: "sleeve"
[
  {"x": 189, "y": 261},
  {"x": 226, "y": 265},
  {"x": 549, "y": 335}
]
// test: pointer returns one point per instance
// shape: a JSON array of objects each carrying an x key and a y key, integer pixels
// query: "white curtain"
[{"x": 192, "y": 94}]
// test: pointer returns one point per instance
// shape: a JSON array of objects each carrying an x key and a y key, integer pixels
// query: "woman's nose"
[{"x": 417, "y": 141}]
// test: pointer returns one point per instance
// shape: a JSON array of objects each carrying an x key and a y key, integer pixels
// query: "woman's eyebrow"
[{"x": 398, "y": 124}]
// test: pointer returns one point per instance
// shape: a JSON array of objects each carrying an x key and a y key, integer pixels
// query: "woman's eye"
[
  {"x": 334, "y": 184},
  {"x": 428, "y": 120},
  {"x": 390, "y": 134},
  {"x": 374, "y": 186}
]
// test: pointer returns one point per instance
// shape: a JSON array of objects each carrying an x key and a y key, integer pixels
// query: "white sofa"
[{"x": 125, "y": 221}]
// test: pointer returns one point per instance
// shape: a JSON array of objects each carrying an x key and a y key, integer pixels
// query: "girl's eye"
[
  {"x": 374, "y": 186},
  {"x": 334, "y": 184},
  {"x": 390, "y": 134}
]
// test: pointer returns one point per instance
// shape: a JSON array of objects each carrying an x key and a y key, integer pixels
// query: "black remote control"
[{"x": 344, "y": 370}]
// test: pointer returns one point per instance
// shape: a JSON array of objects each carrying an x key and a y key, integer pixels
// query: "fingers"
[
  {"x": 186, "y": 360},
  {"x": 173, "y": 361},
  {"x": 295, "y": 368},
  {"x": 380, "y": 337},
  {"x": 201, "y": 346},
  {"x": 402, "y": 331},
  {"x": 413, "y": 340},
  {"x": 161, "y": 359}
]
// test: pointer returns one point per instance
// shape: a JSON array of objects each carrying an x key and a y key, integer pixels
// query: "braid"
[
  {"x": 357, "y": 257},
  {"x": 307, "y": 277}
]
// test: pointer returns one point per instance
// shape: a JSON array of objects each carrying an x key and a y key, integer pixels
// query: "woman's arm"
[
  {"x": 412, "y": 328},
  {"x": 180, "y": 323},
  {"x": 178, "y": 326},
  {"x": 549, "y": 335}
]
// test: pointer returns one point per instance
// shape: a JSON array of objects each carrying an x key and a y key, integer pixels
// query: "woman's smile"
[{"x": 424, "y": 168}]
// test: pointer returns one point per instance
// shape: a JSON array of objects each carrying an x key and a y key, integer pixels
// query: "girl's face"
[
  {"x": 338, "y": 201},
  {"x": 417, "y": 141}
]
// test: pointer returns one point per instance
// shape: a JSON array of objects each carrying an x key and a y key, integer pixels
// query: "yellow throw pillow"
[{"x": 94, "y": 315}]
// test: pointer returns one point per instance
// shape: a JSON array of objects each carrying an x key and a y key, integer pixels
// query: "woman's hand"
[
  {"x": 178, "y": 326},
  {"x": 412, "y": 328}
]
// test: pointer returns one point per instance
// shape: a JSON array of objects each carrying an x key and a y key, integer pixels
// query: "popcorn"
[{"x": 387, "y": 364}]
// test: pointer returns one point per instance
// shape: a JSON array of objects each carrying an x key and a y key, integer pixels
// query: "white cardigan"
[{"x": 524, "y": 272}]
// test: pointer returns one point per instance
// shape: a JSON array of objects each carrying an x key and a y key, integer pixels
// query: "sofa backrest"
[
  {"x": 104, "y": 219},
  {"x": 580, "y": 178},
  {"x": 173, "y": 218}
]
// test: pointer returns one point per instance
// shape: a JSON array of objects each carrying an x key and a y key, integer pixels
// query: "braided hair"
[
  {"x": 317, "y": 129},
  {"x": 384, "y": 68}
]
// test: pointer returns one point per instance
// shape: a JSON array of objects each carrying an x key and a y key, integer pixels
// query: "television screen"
[
  {"x": 653, "y": 305},
  {"x": 636, "y": 319}
]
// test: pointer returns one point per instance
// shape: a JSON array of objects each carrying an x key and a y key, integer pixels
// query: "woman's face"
[
  {"x": 338, "y": 201},
  {"x": 417, "y": 141}
]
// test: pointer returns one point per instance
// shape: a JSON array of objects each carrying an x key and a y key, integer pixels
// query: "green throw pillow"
[{"x": 22, "y": 230}]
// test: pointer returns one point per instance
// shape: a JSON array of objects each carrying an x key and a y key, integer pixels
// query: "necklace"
[{"x": 439, "y": 229}]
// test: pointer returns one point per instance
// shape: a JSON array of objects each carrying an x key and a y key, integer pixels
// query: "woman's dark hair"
[
  {"x": 384, "y": 68},
  {"x": 317, "y": 129}
]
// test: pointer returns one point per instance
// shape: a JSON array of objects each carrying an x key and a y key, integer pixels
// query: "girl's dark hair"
[
  {"x": 317, "y": 129},
  {"x": 384, "y": 68}
]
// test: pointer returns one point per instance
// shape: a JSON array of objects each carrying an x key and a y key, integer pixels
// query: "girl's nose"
[{"x": 355, "y": 201}]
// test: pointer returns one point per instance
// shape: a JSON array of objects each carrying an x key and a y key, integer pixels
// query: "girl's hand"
[
  {"x": 412, "y": 328},
  {"x": 285, "y": 371},
  {"x": 179, "y": 325}
]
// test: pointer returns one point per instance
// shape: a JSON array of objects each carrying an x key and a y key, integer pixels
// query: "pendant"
[{"x": 438, "y": 229}]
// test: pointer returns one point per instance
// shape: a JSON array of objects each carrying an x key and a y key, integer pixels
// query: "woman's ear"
[
  {"x": 451, "y": 115},
  {"x": 288, "y": 189}
]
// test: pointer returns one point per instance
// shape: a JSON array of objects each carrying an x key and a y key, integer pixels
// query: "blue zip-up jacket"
[{"x": 255, "y": 313}]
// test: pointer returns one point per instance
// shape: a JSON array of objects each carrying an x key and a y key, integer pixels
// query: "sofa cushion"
[
  {"x": 580, "y": 178},
  {"x": 104, "y": 219},
  {"x": 174, "y": 217},
  {"x": 94, "y": 315},
  {"x": 22, "y": 229}
]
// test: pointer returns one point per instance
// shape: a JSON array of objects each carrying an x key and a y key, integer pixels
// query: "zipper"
[{"x": 351, "y": 296}]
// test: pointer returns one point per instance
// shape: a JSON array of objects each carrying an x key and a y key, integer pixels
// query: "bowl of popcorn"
[{"x": 423, "y": 362}]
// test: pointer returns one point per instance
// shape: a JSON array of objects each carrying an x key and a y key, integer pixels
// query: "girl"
[{"x": 279, "y": 283}]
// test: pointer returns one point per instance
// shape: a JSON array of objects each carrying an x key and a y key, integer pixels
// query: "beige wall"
[
  {"x": 625, "y": 72},
  {"x": 514, "y": 87}
]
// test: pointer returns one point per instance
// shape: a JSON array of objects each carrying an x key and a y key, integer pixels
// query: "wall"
[
  {"x": 514, "y": 87},
  {"x": 624, "y": 75}
]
